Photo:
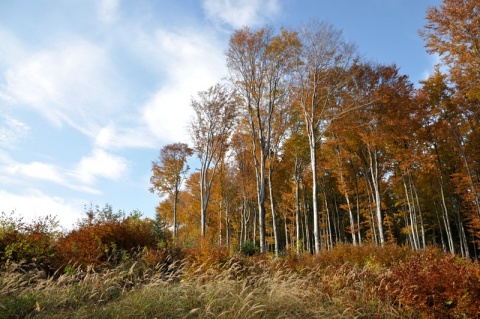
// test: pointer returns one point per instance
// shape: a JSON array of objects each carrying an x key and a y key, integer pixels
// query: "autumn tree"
[
  {"x": 210, "y": 129},
  {"x": 321, "y": 72},
  {"x": 229, "y": 193},
  {"x": 168, "y": 173},
  {"x": 449, "y": 135},
  {"x": 259, "y": 63},
  {"x": 243, "y": 165},
  {"x": 296, "y": 155},
  {"x": 453, "y": 32}
]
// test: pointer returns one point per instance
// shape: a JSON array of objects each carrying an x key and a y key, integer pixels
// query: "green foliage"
[
  {"x": 249, "y": 248},
  {"x": 16, "y": 306}
]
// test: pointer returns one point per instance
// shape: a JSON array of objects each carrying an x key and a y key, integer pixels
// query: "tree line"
[{"x": 307, "y": 145}]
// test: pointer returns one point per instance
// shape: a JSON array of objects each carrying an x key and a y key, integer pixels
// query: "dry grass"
[
  {"x": 239, "y": 288},
  {"x": 348, "y": 282}
]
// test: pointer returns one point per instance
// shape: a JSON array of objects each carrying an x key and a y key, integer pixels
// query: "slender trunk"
[
  {"x": 272, "y": 206},
  {"x": 254, "y": 239},
  {"x": 286, "y": 233},
  {"x": 220, "y": 226},
  {"x": 444, "y": 246},
  {"x": 372, "y": 202},
  {"x": 411, "y": 213},
  {"x": 374, "y": 228},
  {"x": 313, "y": 160},
  {"x": 358, "y": 229},
  {"x": 261, "y": 195},
  {"x": 297, "y": 213},
  {"x": 461, "y": 230},
  {"x": 227, "y": 225},
  {"x": 261, "y": 205},
  {"x": 338, "y": 233},
  {"x": 350, "y": 213},
  {"x": 308, "y": 241},
  {"x": 242, "y": 224},
  {"x": 414, "y": 211},
  {"x": 422, "y": 227},
  {"x": 328, "y": 223},
  {"x": 175, "y": 227},
  {"x": 446, "y": 219},
  {"x": 203, "y": 201},
  {"x": 375, "y": 176}
]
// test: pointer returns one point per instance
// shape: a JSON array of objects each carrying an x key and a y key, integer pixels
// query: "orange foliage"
[
  {"x": 22, "y": 242},
  {"x": 100, "y": 242},
  {"x": 436, "y": 285}
]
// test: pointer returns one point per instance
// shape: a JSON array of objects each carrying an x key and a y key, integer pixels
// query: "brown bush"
[
  {"x": 370, "y": 255},
  {"x": 102, "y": 241},
  {"x": 27, "y": 243},
  {"x": 436, "y": 285},
  {"x": 208, "y": 255}
]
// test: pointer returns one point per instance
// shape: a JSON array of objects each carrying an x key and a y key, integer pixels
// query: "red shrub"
[
  {"x": 436, "y": 285},
  {"x": 27, "y": 243},
  {"x": 101, "y": 241}
]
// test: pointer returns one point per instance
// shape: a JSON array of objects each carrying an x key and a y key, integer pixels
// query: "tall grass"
[
  {"x": 240, "y": 287},
  {"x": 348, "y": 282}
]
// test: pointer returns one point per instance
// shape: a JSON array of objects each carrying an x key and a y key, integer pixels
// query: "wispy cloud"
[
  {"x": 123, "y": 79},
  {"x": 37, "y": 170},
  {"x": 11, "y": 131},
  {"x": 72, "y": 83},
  {"x": 100, "y": 164},
  {"x": 113, "y": 136},
  {"x": 193, "y": 61},
  {"x": 239, "y": 13},
  {"x": 83, "y": 177},
  {"x": 33, "y": 204}
]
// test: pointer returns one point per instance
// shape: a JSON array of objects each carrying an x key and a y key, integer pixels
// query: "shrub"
[
  {"x": 248, "y": 248},
  {"x": 162, "y": 257},
  {"x": 27, "y": 243},
  {"x": 104, "y": 237},
  {"x": 436, "y": 285},
  {"x": 16, "y": 306}
]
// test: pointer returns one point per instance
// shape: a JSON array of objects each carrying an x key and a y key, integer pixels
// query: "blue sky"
[{"x": 90, "y": 90}]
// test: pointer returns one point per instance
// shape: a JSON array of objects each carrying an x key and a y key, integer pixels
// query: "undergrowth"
[{"x": 346, "y": 282}]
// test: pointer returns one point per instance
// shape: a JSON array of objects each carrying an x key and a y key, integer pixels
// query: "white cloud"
[
  {"x": 100, "y": 164},
  {"x": 11, "y": 131},
  {"x": 108, "y": 10},
  {"x": 72, "y": 83},
  {"x": 239, "y": 13},
  {"x": 37, "y": 170},
  {"x": 21, "y": 174},
  {"x": 78, "y": 83},
  {"x": 115, "y": 137},
  {"x": 34, "y": 204},
  {"x": 193, "y": 61}
]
